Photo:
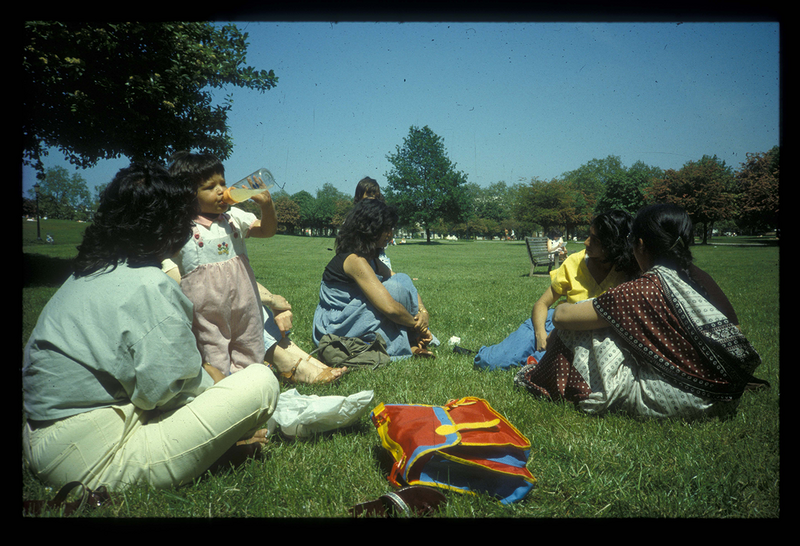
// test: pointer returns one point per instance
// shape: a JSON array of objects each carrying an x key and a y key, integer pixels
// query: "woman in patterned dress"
[{"x": 666, "y": 344}]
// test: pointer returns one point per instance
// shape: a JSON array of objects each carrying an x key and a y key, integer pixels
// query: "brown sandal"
[{"x": 324, "y": 376}]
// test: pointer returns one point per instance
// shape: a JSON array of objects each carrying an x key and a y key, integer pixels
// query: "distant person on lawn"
[{"x": 368, "y": 188}]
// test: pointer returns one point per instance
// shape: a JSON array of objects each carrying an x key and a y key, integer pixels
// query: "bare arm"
[
  {"x": 358, "y": 269},
  {"x": 267, "y": 226},
  {"x": 423, "y": 317},
  {"x": 539, "y": 316},
  {"x": 281, "y": 309},
  {"x": 578, "y": 316}
]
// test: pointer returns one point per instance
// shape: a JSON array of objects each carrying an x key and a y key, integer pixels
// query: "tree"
[
  {"x": 491, "y": 203},
  {"x": 64, "y": 197},
  {"x": 705, "y": 189},
  {"x": 142, "y": 90},
  {"x": 552, "y": 204},
  {"x": 758, "y": 191},
  {"x": 331, "y": 206},
  {"x": 624, "y": 189},
  {"x": 305, "y": 203},
  {"x": 424, "y": 184},
  {"x": 287, "y": 212},
  {"x": 591, "y": 180}
]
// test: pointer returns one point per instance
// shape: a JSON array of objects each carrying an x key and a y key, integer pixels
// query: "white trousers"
[{"x": 121, "y": 445}]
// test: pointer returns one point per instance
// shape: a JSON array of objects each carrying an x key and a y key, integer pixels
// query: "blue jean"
[{"x": 513, "y": 350}]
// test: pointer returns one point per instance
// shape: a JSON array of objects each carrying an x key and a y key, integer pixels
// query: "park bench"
[{"x": 537, "y": 252}]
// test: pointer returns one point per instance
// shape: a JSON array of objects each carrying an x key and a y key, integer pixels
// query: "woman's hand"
[
  {"x": 422, "y": 320},
  {"x": 283, "y": 320},
  {"x": 541, "y": 341},
  {"x": 262, "y": 198},
  {"x": 275, "y": 302}
]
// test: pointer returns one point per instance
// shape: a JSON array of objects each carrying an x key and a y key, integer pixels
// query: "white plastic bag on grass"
[{"x": 303, "y": 415}]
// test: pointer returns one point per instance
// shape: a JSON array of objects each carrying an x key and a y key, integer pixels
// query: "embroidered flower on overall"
[{"x": 222, "y": 248}]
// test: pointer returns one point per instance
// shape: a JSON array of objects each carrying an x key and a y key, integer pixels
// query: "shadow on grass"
[{"x": 39, "y": 270}]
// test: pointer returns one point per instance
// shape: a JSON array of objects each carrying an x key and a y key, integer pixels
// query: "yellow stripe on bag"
[
  {"x": 444, "y": 430},
  {"x": 383, "y": 432}
]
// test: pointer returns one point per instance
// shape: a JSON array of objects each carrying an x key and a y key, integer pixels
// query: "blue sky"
[{"x": 511, "y": 100}]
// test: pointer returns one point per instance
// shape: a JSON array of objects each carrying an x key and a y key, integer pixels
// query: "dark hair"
[
  {"x": 666, "y": 231},
  {"x": 612, "y": 230},
  {"x": 553, "y": 234},
  {"x": 367, "y": 187},
  {"x": 363, "y": 226},
  {"x": 144, "y": 216},
  {"x": 197, "y": 167}
]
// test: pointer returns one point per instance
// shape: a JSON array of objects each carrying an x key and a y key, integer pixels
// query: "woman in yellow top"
[{"x": 606, "y": 262}]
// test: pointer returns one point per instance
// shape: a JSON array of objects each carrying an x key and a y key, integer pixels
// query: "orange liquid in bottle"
[{"x": 237, "y": 195}]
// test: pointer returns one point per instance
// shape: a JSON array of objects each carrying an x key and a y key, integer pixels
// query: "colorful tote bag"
[{"x": 464, "y": 446}]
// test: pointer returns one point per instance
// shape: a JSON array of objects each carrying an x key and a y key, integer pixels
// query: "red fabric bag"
[{"x": 465, "y": 446}]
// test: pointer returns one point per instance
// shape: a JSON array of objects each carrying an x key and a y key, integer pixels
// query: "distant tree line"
[
  {"x": 714, "y": 194},
  {"x": 432, "y": 195},
  {"x": 717, "y": 197}
]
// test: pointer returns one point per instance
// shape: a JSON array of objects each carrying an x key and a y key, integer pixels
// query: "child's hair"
[
  {"x": 612, "y": 230},
  {"x": 363, "y": 226},
  {"x": 367, "y": 188},
  {"x": 197, "y": 167},
  {"x": 666, "y": 231},
  {"x": 144, "y": 216},
  {"x": 553, "y": 234}
]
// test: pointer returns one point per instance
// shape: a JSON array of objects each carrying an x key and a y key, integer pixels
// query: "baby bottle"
[{"x": 252, "y": 184}]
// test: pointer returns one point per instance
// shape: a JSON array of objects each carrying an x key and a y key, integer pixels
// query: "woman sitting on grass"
[
  {"x": 665, "y": 344},
  {"x": 359, "y": 296},
  {"x": 605, "y": 262},
  {"x": 114, "y": 388}
]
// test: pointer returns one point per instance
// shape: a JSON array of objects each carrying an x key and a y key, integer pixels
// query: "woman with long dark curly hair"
[
  {"x": 605, "y": 262},
  {"x": 114, "y": 388},
  {"x": 130, "y": 225},
  {"x": 665, "y": 344},
  {"x": 359, "y": 296}
]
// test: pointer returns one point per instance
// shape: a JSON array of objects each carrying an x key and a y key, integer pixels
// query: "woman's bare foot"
[
  {"x": 297, "y": 366},
  {"x": 259, "y": 437}
]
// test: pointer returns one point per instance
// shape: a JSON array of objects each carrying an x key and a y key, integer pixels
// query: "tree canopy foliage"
[
  {"x": 141, "y": 90},
  {"x": 705, "y": 189},
  {"x": 62, "y": 196},
  {"x": 758, "y": 190},
  {"x": 424, "y": 184},
  {"x": 709, "y": 190}
]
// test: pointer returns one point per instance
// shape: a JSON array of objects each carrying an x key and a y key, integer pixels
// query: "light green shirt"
[{"x": 112, "y": 338}]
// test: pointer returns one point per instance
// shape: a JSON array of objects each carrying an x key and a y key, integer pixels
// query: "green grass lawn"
[{"x": 586, "y": 467}]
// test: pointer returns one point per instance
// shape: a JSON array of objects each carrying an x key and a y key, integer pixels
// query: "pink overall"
[{"x": 217, "y": 278}]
